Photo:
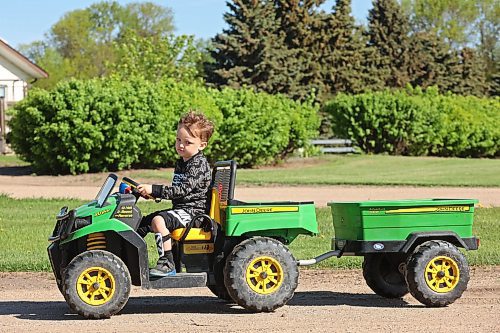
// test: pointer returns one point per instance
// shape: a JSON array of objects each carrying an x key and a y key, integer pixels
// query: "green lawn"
[
  {"x": 382, "y": 170},
  {"x": 352, "y": 170},
  {"x": 11, "y": 161},
  {"x": 26, "y": 224}
]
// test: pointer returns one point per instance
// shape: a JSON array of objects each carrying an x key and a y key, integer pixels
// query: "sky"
[{"x": 25, "y": 21}]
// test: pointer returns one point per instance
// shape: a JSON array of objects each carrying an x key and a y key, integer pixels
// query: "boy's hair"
[{"x": 198, "y": 125}]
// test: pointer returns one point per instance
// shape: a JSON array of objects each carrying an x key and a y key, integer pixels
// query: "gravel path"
[
  {"x": 325, "y": 301},
  {"x": 87, "y": 187}
]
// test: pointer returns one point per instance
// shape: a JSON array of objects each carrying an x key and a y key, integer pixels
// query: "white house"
[{"x": 16, "y": 73}]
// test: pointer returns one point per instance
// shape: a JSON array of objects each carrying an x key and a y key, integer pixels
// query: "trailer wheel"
[
  {"x": 383, "y": 274},
  {"x": 96, "y": 284},
  {"x": 437, "y": 273},
  {"x": 261, "y": 274}
]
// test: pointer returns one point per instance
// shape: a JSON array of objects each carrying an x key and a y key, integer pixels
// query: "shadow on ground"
[
  {"x": 59, "y": 310},
  {"x": 16, "y": 171}
]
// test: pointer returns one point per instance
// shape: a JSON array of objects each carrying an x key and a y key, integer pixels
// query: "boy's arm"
[{"x": 196, "y": 178}]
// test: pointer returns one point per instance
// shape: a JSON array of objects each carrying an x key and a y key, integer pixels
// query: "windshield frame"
[{"x": 106, "y": 189}]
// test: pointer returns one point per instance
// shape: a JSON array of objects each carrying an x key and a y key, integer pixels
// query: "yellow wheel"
[
  {"x": 96, "y": 286},
  {"x": 442, "y": 274},
  {"x": 437, "y": 273},
  {"x": 264, "y": 275},
  {"x": 261, "y": 274}
]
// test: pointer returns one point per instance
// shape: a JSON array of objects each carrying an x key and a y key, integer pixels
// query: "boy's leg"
[{"x": 163, "y": 223}]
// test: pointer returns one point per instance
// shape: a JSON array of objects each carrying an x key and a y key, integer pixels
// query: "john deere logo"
[{"x": 260, "y": 210}]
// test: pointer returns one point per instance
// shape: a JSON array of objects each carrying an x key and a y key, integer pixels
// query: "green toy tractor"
[{"x": 239, "y": 249}]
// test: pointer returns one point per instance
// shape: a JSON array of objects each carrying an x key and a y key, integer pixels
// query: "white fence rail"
[{"x": 334, "y": 146}]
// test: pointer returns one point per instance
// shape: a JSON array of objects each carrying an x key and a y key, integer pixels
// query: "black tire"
[
  {"x": 261, "y": 274},
  {"x": 91, "y": 296},
  {"x": 219, "y": 289},
  {"x": 437, "y": 273},
  {"x": 382, "y": 274}
]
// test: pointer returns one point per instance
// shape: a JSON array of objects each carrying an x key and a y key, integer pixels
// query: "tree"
[
  {"x": 155, "y": 58},
  {"x": 431, "y": 62},
  {"x": 388, "y": 33},
  {"x": 346, "y": 59},
  {"x": 251, "y": 51},
  {"x": 82, "y": 41},
  {"x": 299, "y": 22},
  {"x": 451, "y": 20},
  {"x": 472, "y": 74}
]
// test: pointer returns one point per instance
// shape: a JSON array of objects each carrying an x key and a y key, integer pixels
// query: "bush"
[
  {"x": 416, "y": 123},
  {"x": 259, "y": 128},
  {"x": 109, "y": 125}
]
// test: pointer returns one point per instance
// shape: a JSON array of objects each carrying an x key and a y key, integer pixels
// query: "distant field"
[
  {"x": 351, "y": 170},
  {"x": 26, "y": 224}
]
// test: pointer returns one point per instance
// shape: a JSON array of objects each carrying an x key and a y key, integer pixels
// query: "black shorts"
[{"x": 174, "y": 219}]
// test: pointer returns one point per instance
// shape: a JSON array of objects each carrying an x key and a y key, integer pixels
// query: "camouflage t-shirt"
[{"x": 189, "y": 186}]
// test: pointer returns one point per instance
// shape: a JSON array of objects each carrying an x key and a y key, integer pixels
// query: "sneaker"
[{"x": 164, "y": 267}]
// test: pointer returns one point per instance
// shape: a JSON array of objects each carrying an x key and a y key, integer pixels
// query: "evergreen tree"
[
  {"x": 429, "y": 61},
  {"x": 346, "y": 60},
  {"x": 473, "y": 74},
  {"x": 251, "y": 52},
  {"x": 299, "y": 22},
  {"x": 388, "y": 30}
]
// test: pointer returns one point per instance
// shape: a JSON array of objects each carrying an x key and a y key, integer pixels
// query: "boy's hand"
[{"x": 145, "y": 190}]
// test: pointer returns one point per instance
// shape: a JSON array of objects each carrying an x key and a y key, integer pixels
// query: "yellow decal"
[
  {"x": 124, "y": 212},
  {"x": 430, "y": 209},
  {"x": 102, "y": 212},
  {"x": 199, "y": 248},
  {"x": 258, "y": 210}
]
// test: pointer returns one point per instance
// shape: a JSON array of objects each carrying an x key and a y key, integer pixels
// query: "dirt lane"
[
  {"x": 46, "y": 187},
  {"x": 326, "y": 301}
]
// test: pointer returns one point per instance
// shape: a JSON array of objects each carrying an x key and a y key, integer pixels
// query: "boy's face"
[{"x": 187, "y": 144}]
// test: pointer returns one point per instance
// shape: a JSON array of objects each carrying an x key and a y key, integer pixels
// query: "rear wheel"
[
  {"x": 96, "y": 284},
  {"x": 383, "y": 273},
  {"x": 261, "y": 274},
  {"x": 437, "y": 273}
]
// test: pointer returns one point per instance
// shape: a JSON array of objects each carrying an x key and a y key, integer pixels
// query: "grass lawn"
[
  {"x": 381, "y": 170},
  {"x": 363, "y": 170},
  {"x": 11, "y": 161},
  {"x": 26, "y": 224}
]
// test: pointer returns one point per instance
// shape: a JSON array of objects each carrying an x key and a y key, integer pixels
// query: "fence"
[{"x": 334, "y": 146}]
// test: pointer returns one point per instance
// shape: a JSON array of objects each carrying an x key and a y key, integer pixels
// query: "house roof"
[{"x": 20, "y": 61}]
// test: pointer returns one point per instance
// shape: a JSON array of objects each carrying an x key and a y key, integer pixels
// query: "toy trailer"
[{"x": 408, "y": 245}]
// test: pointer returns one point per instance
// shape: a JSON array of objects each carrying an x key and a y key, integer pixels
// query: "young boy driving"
[{"x": 189, "y": 188}]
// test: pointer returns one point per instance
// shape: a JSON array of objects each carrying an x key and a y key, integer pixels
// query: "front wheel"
[
  {"x": 96, "y": 284},
  {"x": 437, "y": 273},
  {"x": 383, "y": 273},
  {"x": 261, "y": 274}
]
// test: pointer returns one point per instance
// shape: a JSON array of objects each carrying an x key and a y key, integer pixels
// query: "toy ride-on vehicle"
[{"x": 238, "y": 250}]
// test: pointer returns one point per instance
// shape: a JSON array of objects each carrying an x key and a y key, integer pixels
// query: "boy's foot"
[{"x": 164, "y": 267}]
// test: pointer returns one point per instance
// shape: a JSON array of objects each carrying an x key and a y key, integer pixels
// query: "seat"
[{"x": 220, "y": 192}]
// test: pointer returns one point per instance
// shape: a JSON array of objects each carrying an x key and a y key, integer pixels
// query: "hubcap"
[
  {"x": 264, "y": 275},
  {"x": 95, "y": 286},
  {"x": 442, "y": 274}
]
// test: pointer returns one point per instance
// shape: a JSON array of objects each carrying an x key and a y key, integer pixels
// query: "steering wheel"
[{"x": 133, "y": 185}]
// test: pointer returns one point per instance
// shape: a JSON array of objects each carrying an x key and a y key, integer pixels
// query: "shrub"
[
  {"x": 259, "y": 128},
  {"x": 414, "y": 122},
  {"x": 108, "y": 125}
]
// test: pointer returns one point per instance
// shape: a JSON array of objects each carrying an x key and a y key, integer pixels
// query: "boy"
[{"x": 189, "y": 188}]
